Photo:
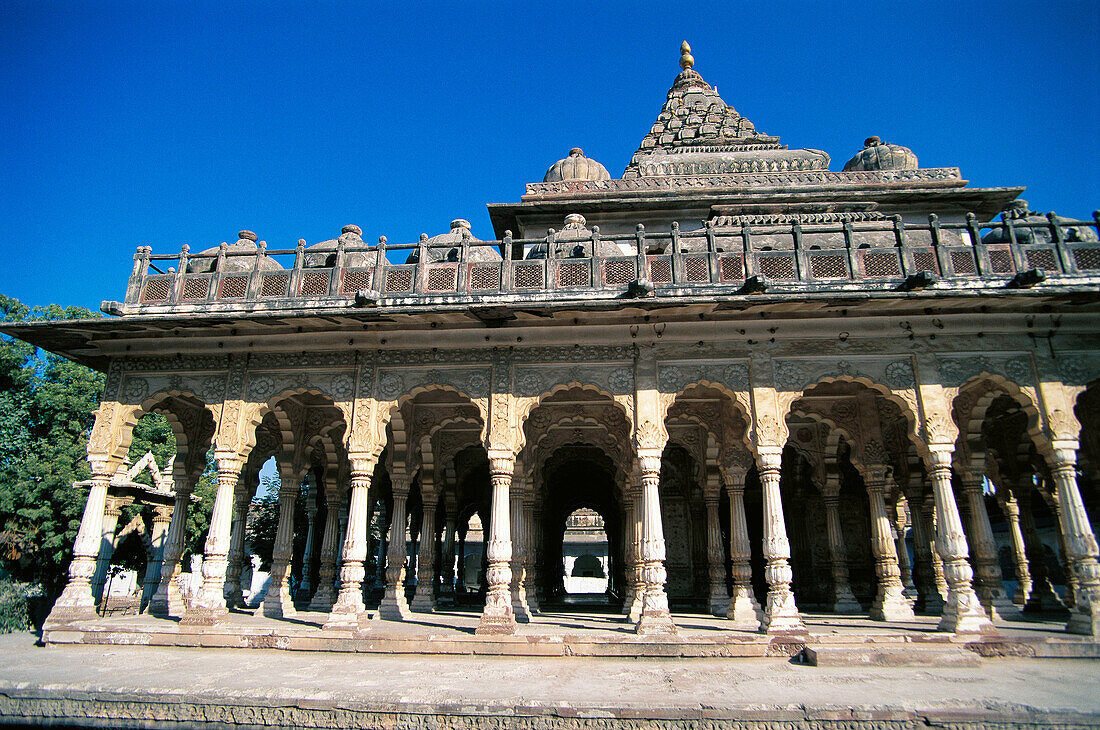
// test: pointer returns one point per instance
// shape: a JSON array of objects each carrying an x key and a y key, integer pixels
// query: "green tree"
[
  {"x": 263, "y": 521},
  {"x": 46, "y": 405}
]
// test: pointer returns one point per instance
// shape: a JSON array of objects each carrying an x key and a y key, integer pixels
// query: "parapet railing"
[{"x": 878, "y": 254}]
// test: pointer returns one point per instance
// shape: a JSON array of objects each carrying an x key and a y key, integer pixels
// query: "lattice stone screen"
[
  {"x": 829, "y": 266},
  {"x": 353, "y": 281},
  {"x": 196, "y": 287},
  {"x": 963, "y": 262},
  {"x": 696, "y": 268},
  {"x": 527, "y": 276},
  {"x": 233, "y": 287},
  {"x": 660, "y": 270},
  {"x": 619, "y": 271},
  {"x": 441, "y": 278},
  {"x": 315, "y": 283},
  {"x": 1042, "y": 258},
  {"x": 573, "y": 273},
  {"x": 484, "y": 277},
  {"x": 881, "y": 264},
  {"x": 399, "y": 280},
  {"x": 926, "y": 261},
  {"x": 1087, "y": 259},
  {"x": 156, "y": 290},
  {"x": 777, "y": 267},
  {"x": 274, "y": 285},
  {"x": 731, "y": 268},
  {"x": 1000, "y": 261}
]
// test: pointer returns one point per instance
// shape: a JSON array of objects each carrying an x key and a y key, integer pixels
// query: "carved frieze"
[
  {"x": 534, "y": 380},
  {"x": 395, "y": 382},
  {"x": 674, "y": 376},
  {"x": 262, "y": 385},
  {"x": 956, "y": 370},
  {"x": 1078, "y": 368},
  {"x": 799, "y": 373}
]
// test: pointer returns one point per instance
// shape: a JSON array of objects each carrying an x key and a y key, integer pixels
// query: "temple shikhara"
[{"x": 735, "y": 398}]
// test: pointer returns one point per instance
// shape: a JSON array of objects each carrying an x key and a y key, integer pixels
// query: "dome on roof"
[
  {"x": 877, "y": 155},
  {"x": 576, "y": 167},
  {"x": 447, "y": 246},
  {"x": 245, "y": 243},
  {"x": 323, "y": 255}
]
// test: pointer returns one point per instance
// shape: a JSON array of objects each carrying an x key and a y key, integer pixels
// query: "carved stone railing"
[{"x": 876, "y": 255}]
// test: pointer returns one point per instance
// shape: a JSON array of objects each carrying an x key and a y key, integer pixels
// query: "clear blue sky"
[{"x": 163, "y": 123}]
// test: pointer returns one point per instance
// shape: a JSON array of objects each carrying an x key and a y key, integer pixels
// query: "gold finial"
[{"x": 686, "y": 59}]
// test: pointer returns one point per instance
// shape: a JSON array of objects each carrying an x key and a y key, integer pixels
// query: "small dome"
[
  {"x": 245, "y": 243},
  {"x": 447, "y": 246},
  {"x": 576, "y": 167},
  {"x": 877, "y": 155},
  {"x": 574, "y": 241},
  {"x": 323, "y": 255}
]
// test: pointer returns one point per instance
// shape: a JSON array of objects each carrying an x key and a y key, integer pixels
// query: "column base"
[
  {"x": 532, "y": 600},
  {"x": 655, "y": 623},
  {"x": 497, "y": 624},
  {"x": 719, "y": 603},
  {"x": 520, "y": 609},
  {"x": 168, "y": 603},
  {"x": 203, "y": 616},
  {"x": 1085, "y": 622},
  {"x": 929, "y": 603},
  {"x": 279, "y": 604},
  {"x": 743, "y": 611},
  {"x": 1043, "y": 599},
  {"x": 963, "y": 614},
  {"x": 1023, "y": 590},
  {"x": 423, "y": 601},
  {"x": 890, "y": 605},
  {"x": 781, "y": 616},
  {"x": 844, "y": 601},
  {"x": 305, "y": 593},
  {"x": 323, "y": 598},
  {"x": 1000, "y": 608},
  {"x": 394, "y": 606}
]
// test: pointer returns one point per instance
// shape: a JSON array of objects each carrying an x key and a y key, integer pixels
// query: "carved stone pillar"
[
  {"x": 278, "y": 601},
  {"x": 635, "y": 609},
  {"x": 743, "y": 610},
  {"x": 167, "y": 600},
  {"x": 518, "y": 565},
  {"x": 1043, "y": 598},
  {"x": 234, "y": 596},
  {"x": 1011, "y": 509},
  {"x": 394, "y": 606},
  {"x": 325, "y": 595},
  {"x": 447, "y": 589},
  {"x": 937, "y": 561},
  {"x": 929, "y": 599},
  {"x": 530, "y": 553},
  {"x": 162, "y": 520},
  {"x": 781, "y": 614},
  {"x": 844, "y": 601},
  {"x": 348, "y": 610},
  {"x": 889, "y": 603},
  {"x": 1081, "y": 548},
  {"x": 111, "y": 514},
  {"x": 1070, "y": 597},
  {"x": 629, "y": 550},
  {"x": 306, "y": 587},
  {"x": 655, "y": 617},
  {"x": 900, "y": 525},
  {"x": 497, "y": 616},
  {"x": 962, "y": 612},
  {"x": 76, "y": 602},
  {"x": 424, "y": 597},
  {"x": 988, "y": 583},
  {"x": 208, "y": 604},
  {"x": 383, "y": 543},
  {"x": 716, "y": 557}
]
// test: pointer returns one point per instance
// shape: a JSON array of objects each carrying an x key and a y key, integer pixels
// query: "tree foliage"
[{"x": 46, "y": 405}]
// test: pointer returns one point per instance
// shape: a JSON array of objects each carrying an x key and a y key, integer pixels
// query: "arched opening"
[{"x": 585, "y": 554}]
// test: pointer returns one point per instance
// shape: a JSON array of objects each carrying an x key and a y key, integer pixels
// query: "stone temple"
[{"x": 781, "y": 388}]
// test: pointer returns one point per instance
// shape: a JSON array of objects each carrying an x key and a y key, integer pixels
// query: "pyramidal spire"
[{"x": 697, "y": 133}]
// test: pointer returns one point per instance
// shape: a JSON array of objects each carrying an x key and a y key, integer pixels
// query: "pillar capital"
[
  {"x": 648, "y": 463},
  {"x": 501, "y": 463},
  {"x": 769, "y": 460}
]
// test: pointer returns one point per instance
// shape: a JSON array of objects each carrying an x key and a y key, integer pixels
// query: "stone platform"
[
  {"x": 830, "y": 639},
  {"x": 116, "y": 686}
]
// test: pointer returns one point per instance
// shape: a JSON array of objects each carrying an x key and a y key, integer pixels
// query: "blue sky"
[{"x": 126, "y": 124}]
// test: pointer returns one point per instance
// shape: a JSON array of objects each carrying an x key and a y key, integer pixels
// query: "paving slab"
[{"x": 83, "y": 685}]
